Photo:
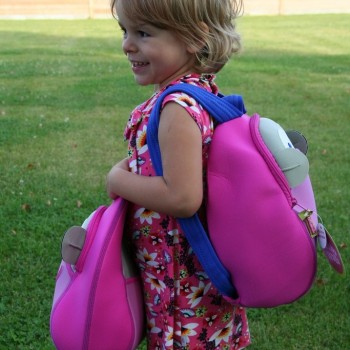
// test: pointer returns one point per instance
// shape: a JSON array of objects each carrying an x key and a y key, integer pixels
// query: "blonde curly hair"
[{"x": 208, "y": 26}]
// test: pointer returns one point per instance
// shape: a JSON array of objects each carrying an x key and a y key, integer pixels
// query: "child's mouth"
[{"x": 136, "y": 64}]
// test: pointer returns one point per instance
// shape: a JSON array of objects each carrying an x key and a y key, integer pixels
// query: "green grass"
[{"x": 65, "y": 96}]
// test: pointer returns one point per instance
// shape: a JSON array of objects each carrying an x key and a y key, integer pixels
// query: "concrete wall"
[{"x": 18, "y": 9}]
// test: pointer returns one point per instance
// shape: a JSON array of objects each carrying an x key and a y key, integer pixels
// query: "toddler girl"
[{"x": 175, "y": 42}]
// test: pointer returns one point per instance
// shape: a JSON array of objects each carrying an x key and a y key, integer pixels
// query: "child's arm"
[{"x": 179, "y": 191}]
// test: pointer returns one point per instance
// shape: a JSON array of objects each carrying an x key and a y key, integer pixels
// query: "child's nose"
[{"x": 128, "y": 45}]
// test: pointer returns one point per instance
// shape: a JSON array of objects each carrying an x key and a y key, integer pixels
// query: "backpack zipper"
[
  {"x": 102, "y": 253},
  {"x": 91, "y": 232},
  {"x": 304, "y": 216}
]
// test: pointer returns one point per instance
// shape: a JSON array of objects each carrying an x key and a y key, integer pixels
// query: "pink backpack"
[
  {"x": 98, "y": 301},
  {"x": 260, "y": 249}
]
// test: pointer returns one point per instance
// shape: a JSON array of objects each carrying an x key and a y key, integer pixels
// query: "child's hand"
[{"x": 112, "y": 176}]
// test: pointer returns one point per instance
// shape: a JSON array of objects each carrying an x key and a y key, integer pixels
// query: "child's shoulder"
[{"x": 203, "y": 81}]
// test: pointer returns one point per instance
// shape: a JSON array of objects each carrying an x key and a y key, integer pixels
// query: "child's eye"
[{"x": 143, "y": 34}]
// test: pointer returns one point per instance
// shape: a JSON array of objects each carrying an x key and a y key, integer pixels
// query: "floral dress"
[{"x": 183, "y": 308}]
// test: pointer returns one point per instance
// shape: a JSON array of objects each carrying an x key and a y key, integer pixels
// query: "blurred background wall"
[{"x": 22, "y": 9}]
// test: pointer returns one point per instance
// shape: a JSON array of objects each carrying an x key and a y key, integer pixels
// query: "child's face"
[{"x": 157, "y": 56}]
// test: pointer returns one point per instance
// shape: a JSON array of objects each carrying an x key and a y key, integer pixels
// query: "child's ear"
[
  {"x": 200, "y": 43},
  {"x": 192, "y": 49}
]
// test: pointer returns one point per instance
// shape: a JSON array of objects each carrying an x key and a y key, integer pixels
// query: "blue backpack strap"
[{"x": 222, "y": 109}]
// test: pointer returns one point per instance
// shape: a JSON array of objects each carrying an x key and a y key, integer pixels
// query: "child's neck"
[{"x": 160, "y": 86}]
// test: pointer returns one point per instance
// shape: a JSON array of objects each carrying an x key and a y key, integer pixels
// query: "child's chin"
[{"x": 143, "y": 82}]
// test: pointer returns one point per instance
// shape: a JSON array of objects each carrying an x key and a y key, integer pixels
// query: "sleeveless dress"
[{"x": 183, "y": 309}]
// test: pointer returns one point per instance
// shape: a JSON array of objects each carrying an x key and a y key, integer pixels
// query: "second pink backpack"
[{"x": 98, "y": 301}]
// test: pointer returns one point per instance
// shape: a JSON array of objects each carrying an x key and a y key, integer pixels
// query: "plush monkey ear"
[
  {"x": 72, "y": 244},
  {"x": 298, "y": 140}
]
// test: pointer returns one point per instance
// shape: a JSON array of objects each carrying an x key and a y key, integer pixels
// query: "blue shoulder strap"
[{"x": 222, "y": 109}]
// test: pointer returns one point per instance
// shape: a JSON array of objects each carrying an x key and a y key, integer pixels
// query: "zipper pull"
[{"x": 305, "y": 216}]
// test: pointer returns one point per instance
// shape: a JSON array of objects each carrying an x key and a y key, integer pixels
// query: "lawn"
[{"x": 65, "y": 95}]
